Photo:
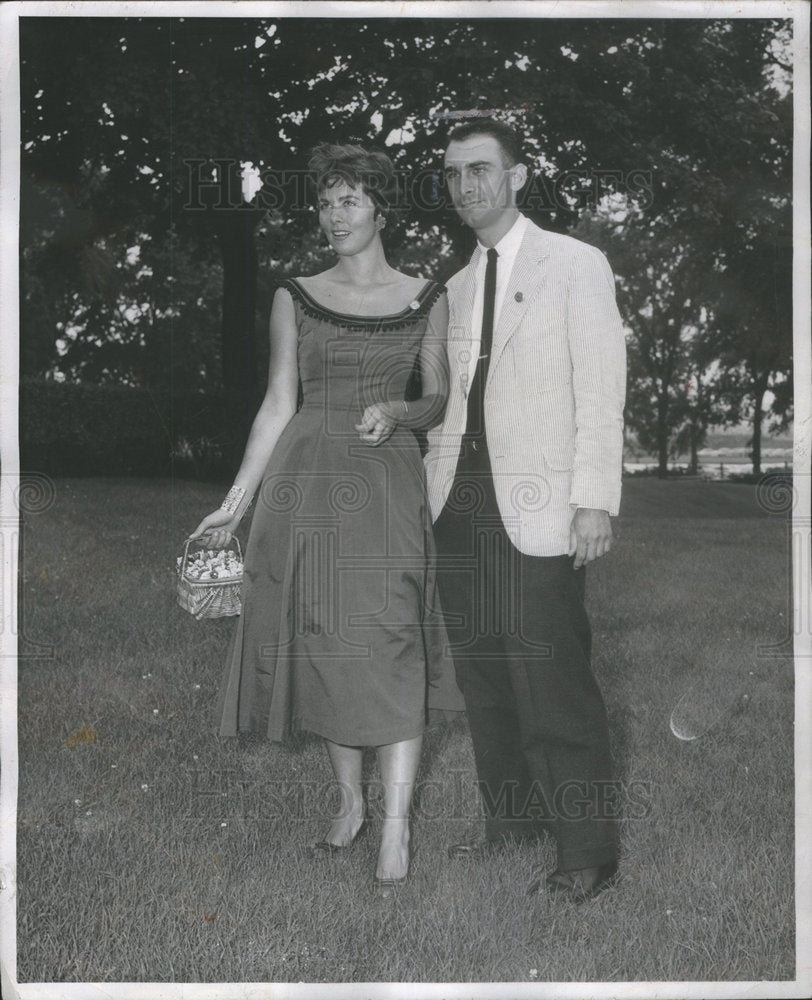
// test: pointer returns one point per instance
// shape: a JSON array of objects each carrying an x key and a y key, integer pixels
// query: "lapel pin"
[{"x": 518, "y": 296}]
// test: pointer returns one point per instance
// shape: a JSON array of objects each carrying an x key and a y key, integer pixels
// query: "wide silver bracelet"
[{"x": 232, "y": 500}]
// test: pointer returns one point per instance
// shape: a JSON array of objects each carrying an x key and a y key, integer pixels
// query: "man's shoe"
[{"x": 579, "y": 885}]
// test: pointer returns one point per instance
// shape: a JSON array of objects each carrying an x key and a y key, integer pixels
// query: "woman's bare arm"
[{"x": 278, "y": 406}]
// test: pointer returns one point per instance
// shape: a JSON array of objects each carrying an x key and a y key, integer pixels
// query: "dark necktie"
[{"x": 475, "y": 424}]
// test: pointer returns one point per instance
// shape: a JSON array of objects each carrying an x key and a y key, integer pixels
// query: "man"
[{"x": 523, "y": 476}]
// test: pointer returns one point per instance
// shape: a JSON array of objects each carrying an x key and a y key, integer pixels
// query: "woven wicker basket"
[{"x": 209, "y": 598}]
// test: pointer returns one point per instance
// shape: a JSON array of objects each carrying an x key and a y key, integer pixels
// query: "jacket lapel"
[{"x": 525, "y": 282}]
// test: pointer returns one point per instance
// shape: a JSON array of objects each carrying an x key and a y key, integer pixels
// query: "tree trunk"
[
  {"x": 758, "y": 417},
  {"x": 694, "y": 466},
  {"x": 238, "y": 337},
  {"x": 662, "y": 437}
]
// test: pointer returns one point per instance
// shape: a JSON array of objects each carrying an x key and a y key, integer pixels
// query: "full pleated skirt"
[{"x": 341, "y": 632}]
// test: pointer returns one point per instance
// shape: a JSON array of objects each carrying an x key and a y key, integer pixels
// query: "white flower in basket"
[{"x": 209, "y": 581}]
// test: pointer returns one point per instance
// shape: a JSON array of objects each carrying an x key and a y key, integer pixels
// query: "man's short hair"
[{"x": 510, "y": 142}]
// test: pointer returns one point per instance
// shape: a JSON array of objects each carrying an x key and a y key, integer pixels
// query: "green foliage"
[
  {"x": 102, "y": 430},
  {"x": 704, "y": 270},
  {"x": 143, "y": 313},
  {"x": 689, "y": 120}
]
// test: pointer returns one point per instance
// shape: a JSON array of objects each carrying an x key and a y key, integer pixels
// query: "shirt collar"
[{"x": 509, "y": 245}]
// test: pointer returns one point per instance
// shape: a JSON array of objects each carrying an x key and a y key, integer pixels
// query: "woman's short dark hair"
[
  {"x": 510, "y": 142},
  {"x": 370, "y": 170}
]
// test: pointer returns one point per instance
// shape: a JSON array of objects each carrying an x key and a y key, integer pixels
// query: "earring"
[{"x": 381, "y": 223}]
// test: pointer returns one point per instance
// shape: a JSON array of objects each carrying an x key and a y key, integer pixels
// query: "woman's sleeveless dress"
[{"x": 340, "y": 633}]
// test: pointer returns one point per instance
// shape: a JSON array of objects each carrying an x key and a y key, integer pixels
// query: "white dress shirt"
[{"x": 507, "y": 248}]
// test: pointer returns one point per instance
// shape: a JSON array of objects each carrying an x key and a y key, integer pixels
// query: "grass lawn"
[{"x": 159, "y": 852}]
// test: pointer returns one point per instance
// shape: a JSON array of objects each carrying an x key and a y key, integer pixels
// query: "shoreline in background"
[
  {"x": 725, "y": 452},
  {"x": 719, "y": 469}
]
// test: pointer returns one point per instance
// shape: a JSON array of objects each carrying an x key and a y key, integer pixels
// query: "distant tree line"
[{"x": 668, "y": 143}]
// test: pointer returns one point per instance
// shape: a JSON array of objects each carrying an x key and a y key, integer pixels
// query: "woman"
[{"x": 337, "y": 636}]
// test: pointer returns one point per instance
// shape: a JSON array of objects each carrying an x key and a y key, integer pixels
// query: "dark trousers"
[{"x": 521, "y": 643}]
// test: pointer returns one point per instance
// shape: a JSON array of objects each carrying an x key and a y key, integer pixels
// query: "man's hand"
[{"x": 590, "y": 535}]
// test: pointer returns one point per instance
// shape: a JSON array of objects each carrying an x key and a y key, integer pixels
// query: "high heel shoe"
[
  {"x": 324, "y": 847},
  {"x": 386, "y": 888}
]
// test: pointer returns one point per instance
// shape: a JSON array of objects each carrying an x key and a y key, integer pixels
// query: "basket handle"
[{"x": 188, "y": 542}]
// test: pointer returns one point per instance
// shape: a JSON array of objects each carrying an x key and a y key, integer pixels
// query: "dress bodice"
[{"x": 347, "y": 362}]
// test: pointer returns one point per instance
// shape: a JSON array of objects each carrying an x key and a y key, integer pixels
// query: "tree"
[
  {"x": 754, "y": 324},
  {"x": 145, "y": 134},
  {"x": 657, "y": 272}
]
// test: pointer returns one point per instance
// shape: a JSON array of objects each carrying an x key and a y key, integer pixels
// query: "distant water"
[{"x": 717, "y": 463}]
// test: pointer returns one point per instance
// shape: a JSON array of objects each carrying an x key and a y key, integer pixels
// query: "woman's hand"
[
  {"x": 216, "y": 530},
  {"x": 378, "y": 422}
]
